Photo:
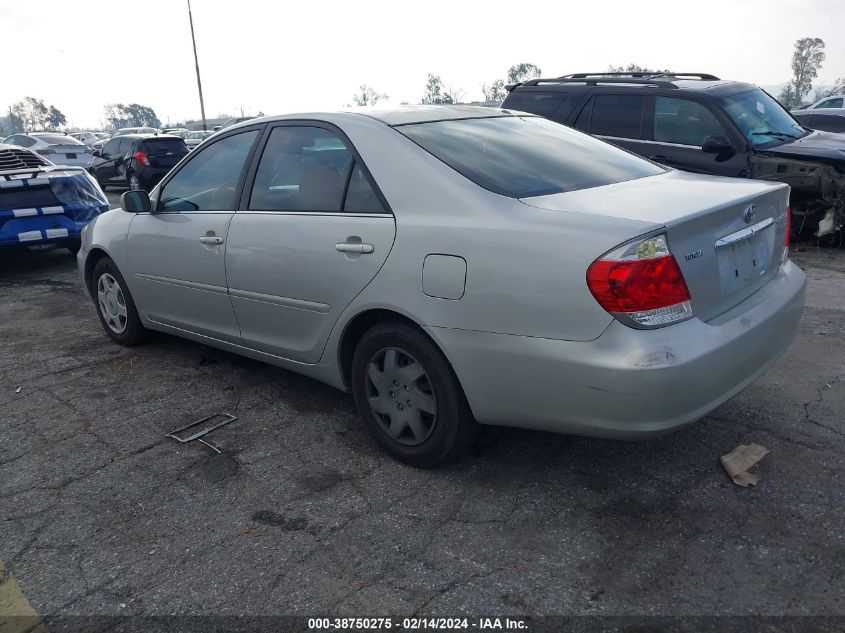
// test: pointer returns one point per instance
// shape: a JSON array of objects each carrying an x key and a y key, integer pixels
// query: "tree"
[
  {"x": 452, "y": 95},
  {"x": 838, "y": 88},
  {"x": 368, "y": 97},
  {"x": 495, "y": 91},
  {"x": 33, "y": 114},
  {"x": 635, "y": 68},
  {"x": 523, "y": 72},
  {"x": 56, "y": 118},
  {"x": 433, "y": 90},
  {"x": 807, "y": 59},
  {"x": 132, "y": 115}
]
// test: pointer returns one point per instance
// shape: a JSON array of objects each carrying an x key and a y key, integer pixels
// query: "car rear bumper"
[
  {"x": 40, "y": 229},
  {"x": 626, "y": 384}
]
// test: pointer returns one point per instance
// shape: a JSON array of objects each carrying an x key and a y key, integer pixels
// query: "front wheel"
[
  {"x": 409, "y": 397},
  {"x": 115, "y": 306}
]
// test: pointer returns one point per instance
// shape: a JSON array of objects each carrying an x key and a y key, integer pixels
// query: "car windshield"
[
  {"x": 762, "y": 119},
  {"x": 521, "y": 157},
  {"x": 57, "y": 139}
]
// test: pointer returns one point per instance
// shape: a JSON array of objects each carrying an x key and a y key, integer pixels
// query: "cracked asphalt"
[{"x": 301, "y": 513}]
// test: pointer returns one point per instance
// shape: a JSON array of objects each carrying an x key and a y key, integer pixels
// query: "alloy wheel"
[
  {"x": 401, "y": 396},
  {"x": 134, "y": 183}
]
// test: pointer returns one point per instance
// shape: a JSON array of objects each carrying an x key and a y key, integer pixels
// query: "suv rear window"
[
  {"x": 536, "y": 102},
  {"x": 522, "y": 157},
  {"x": 164, "y": 145}
]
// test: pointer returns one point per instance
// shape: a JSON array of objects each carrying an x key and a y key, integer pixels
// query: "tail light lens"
[
  {"x": 641, "y": 284},
  {"x": 141, "y": 157}
]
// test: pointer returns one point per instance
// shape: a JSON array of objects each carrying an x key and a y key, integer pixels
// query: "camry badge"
[{"x": 750, "y": 212}]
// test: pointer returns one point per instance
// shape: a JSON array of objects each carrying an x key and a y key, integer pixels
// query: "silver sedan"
[{"x": 452, "y": 266}]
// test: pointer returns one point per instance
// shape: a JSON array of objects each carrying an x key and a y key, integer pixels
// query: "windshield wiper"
[{"x": 775, "y": 134}]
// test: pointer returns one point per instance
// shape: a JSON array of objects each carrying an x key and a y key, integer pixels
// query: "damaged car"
[
  {"x": 42, "y": 204},
  {"x": 699, "y": 123}
]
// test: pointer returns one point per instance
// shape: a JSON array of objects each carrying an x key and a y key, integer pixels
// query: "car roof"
[
  {"x": 397, "y": 115},
  {"x": 588, "y": 81}
]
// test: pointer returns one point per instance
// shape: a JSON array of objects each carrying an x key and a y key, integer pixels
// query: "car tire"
[
  {"x": 133, "y": 182},
  {"x": 408, "y": 396},
  {"x": 115, "y": 306}
]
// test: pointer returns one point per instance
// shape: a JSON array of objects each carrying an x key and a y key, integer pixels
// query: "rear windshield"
[
  {"x": 164, "y": 145},
  {"x": 522, "y": 157},
  {"x": 57, "y": 139}
]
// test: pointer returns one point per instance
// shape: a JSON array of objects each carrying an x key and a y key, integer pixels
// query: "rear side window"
[
  {"x": 305, "y": 168},
  {"x": 683, "y": 121},
  {"x": 617, "y": 115},
  {"x": 209, "y": 180},
  {"x": 522, "y": 157},
  {"x": 831, "y": 103},
  {"x": 535, "y": 102}
]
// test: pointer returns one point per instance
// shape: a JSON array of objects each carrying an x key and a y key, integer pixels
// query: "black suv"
[
  {"x": 699, "y": 123},
  {"x": 137, "y": 161}
]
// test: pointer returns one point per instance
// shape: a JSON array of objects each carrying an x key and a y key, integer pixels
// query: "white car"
[
  {"x": 89, "y": 138},
  {"x": 195, "y": 138},
  {"x": 58, "y": 148}
]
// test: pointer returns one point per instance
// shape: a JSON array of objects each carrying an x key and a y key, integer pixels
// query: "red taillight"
[
  {"x": 641, "y": 283},
  {"x": 141, "y": 157}
]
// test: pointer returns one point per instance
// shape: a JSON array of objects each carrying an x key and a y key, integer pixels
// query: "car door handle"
[
  {"x": 211, "y": 239},
  {"x": 351, "y": 247}
]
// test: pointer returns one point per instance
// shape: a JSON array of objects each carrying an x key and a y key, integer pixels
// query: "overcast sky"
[{"x": 295, "y": 56}]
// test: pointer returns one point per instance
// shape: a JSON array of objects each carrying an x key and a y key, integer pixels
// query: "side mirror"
[
  {"x": 717, "y": 145},
  {"x": 135, "y": 202},
  {"x": 96, "y": 152}
]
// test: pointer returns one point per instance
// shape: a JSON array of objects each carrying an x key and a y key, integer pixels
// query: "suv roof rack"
[
  {"x": 646, "y": 75},
  {"x": 656, "y": 79}
]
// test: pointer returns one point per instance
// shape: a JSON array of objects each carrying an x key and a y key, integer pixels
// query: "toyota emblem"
[{"x": 750, "y": 212}]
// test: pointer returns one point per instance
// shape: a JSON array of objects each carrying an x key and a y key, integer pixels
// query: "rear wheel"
[
  {"x": 115, "y": 306},
  {"x": 409, "y": 397}
]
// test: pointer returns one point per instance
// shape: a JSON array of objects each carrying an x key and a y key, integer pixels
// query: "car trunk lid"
[{"x": 727, "y": 235}]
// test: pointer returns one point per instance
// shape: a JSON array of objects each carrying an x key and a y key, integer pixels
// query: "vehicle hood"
[
  {"x": 817, "y": 145},
  {"x": 657, "y": 199}
]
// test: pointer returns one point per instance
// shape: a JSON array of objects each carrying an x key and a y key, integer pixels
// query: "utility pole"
[{"x": 197, "y": 64}]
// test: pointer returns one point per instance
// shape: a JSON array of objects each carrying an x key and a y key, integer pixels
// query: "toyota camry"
[{"x": 457, "y": 266}]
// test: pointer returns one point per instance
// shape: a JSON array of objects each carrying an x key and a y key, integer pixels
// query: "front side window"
[
  {"x": 617, "y": 115},
  {"x": 209, "y": 180},
  {"x": 760, "y": 118},
  {"x": 307, "y": 168},
  {"x": 522, "y": 157},
  {"x": 112, "y": 148},
  {"x": 683, "y": 121}
]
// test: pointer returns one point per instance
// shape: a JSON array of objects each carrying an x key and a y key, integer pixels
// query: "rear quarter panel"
[{"x": 526, "y": 267}]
